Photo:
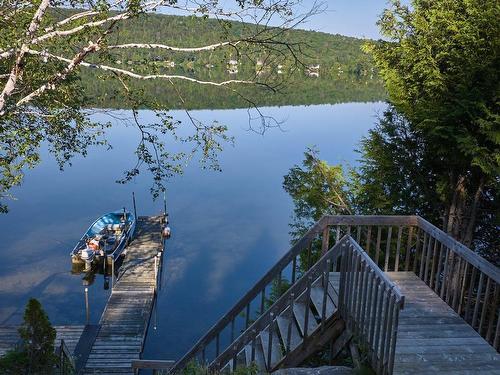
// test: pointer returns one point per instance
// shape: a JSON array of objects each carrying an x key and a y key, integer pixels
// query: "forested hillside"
[
  {"x": 336, "y": 54},
  {"x": 342, "y": 72}
]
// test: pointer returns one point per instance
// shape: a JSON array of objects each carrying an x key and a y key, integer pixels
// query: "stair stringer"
[{"x": 332, "y": 331}]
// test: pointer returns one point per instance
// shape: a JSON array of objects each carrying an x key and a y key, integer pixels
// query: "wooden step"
[
  {"x": 276, "y": 354},
  {"x": 317, "y": 297},
  {"x": 259, "y": 356},
  {"x": 299, "y": 311},
  {"x": 285, "y": 322}
]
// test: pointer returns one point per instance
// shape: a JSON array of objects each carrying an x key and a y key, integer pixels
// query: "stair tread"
[
  {"x": 283, "y": 326},
  {"x": 299, "y": 311},
  {"x": 276, "y": 354},
  {"x": 317, "y": 295},
  {"x": 259, "y": 356}
]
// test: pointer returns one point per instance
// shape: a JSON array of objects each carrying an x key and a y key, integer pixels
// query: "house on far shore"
[
  {"x": 312, "y": 70},
  {"x": 232, "y": 66}
]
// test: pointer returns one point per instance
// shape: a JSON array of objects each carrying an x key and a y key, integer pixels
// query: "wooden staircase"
[
  {"x": 308, "y": 319},
  {"x": 318, "y": 296}
]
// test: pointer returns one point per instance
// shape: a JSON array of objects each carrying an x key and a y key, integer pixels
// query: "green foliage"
[
  {"x": 278, "y": 288},
  {"x": 194, "y": 368},
  {"x": 440, "y": 65},
  {"x": 317, "y": 189},
  {"x": 35, "y": 355},
  {"x": 38, "y": 338},
  {"x": 14, "y": 362},
  {"x": 441, "y": 71},
  {"x": 394, "y": 175}
]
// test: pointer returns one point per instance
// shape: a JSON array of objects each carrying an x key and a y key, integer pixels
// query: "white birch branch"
[
  {"x": 74, "y": 17},
  {"x": 72, "y": 64},
  {"x": 55, "y": 33},
  {"x": 16, "y": 70}
]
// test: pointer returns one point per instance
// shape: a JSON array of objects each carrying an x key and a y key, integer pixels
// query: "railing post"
[
  {"x": 270, "y": 344},
  {"x": 232, "y": 330},
  {"x": 61, "y": 358},
  {"x": 325, "y": 241},
  {"x": 247, "y": 313},
  {"x": 112, "y": 273},
  {"x": 306, "y": 317},
  {"x": 388, "y": 249},
  {"x": 290, "y": 322},
  {"x": 408, "y": 249},
  {"x": 135, "y": 207},
  {"x": 325, "y": 294},
  {"x": 252, "y": 355}
]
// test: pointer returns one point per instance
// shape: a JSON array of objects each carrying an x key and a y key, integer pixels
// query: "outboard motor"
[{"x": 87, "y": 255}]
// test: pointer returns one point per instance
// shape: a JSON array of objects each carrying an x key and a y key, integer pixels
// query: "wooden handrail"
[
  {"x": 252, "y": 293},
  {"x": 65, "y": 355},
  {"x": 355, "y": 305},
  {"x": 400, "y": 298},
  {"x": 370, "y": 220},
  {"x": 283, "y": 301},
  {"x": 470, "y": 256}
]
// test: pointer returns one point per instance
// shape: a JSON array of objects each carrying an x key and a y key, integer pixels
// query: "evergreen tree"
[
  {"x": 35, "y": 354},
  {"x": 440, "y": 64}
]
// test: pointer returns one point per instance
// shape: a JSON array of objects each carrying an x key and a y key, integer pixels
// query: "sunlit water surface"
[{"x": 228, "y": 227}]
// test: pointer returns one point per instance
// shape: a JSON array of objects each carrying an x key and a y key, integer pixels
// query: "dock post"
[
  {"x": 135, "y": 207},
  {"x": 112, "y": 273},
  {"x": 156, "y": 272},
  {"x": 87, "y": 315}
]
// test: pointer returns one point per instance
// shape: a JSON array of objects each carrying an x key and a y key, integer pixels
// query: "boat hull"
[{"x": 122, "y": 221}]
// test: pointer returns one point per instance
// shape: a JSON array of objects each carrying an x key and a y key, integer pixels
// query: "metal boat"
[{"x": 106, "y": 237}]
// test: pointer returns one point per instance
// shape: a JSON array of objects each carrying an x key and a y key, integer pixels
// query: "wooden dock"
[
  {"x": 124, "y": 322},
  {"x": 434, "y": 339}
]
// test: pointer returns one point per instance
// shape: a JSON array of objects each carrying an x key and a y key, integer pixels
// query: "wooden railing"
[
  {"x": 66, "y": 362},
  {"x": 369, "y": 302},
  {"x": 255, "y": 302},
  {"x": 464, "y": 280},
  {"x": 267, "y": 322}
]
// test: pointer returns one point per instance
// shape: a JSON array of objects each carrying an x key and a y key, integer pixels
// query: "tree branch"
[{"x": 17, "y": 70}]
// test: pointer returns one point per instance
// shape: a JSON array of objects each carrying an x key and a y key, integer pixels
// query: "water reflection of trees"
[{"x": 298, "y": 90}]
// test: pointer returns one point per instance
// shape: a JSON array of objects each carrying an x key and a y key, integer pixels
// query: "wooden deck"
[
  {"x": 433, "y": 339},
  {"x": 125, "y": 319},
  {"x": 9, "y": 337}
]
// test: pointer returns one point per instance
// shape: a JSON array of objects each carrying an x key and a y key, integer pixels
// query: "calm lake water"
[{"x": 228, "y": 227}]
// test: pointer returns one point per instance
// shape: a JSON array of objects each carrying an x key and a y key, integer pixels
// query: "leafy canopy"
[{"x": 440, "y": 65}]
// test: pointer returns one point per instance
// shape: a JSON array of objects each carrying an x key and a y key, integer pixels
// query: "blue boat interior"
[{"x": 111, "y": 218}]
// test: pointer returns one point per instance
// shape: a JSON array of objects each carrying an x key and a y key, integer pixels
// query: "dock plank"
[
  {"x": 434, "y": 339},
  {"x": 9, "y": 336}
]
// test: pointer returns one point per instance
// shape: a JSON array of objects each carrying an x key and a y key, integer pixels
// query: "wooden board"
[
  {"x": 9, "y": 337},
  {"x": 433, "y": 339}
]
